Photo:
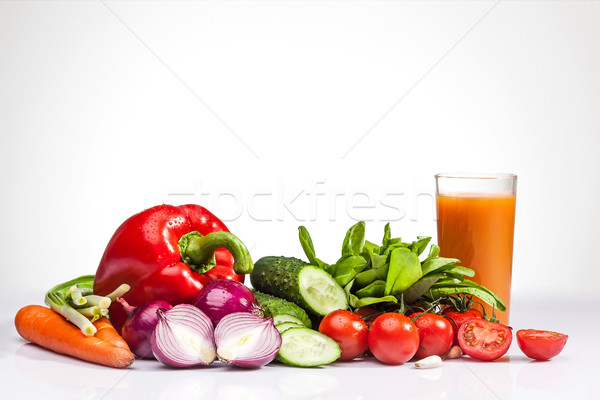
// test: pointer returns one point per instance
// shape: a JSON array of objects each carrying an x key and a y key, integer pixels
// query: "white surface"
[{"x": 30, "y": 372}]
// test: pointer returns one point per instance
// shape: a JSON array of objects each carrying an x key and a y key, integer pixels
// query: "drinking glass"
[{"x": 475, "y": 223}]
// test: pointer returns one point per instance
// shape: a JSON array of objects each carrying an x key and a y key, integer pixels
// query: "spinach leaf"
[
  {"x": 445, "y": 288},
  {"x": 355, "y": 302},
  {"x": 434, "y": 251},
  {"x": 404, "y": 270},
  {"x": 347, "y": 267},
  {"x": 387, "y": 235},
  {"x": 354, "y": 240},
  {"x": 366, "y": 277},
  {"x": 309, "y": 249},
  {"x": 375, "y": 289},
  {"x": 437, "y": 263},
  {"x": 420, "y": 287},
  {"x": 420, "y": 244}
]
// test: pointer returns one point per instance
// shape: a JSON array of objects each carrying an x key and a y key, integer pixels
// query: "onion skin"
[
  {"x": 223, "y": 297},
  {"x": 258, "y": 351},
  {"x": 137, "y": 329},
  {"x": 183, "y": 337}
]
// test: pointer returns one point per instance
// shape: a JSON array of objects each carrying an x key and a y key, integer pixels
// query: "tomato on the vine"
[
  {"x": 436, "y": 334},
  {"x": 348, "y": 330},
  {"x": 484, "y": 340},
  {"x": 393, "y": 338},
  {"x": 457, "y": 318},
  {"x": 540, "y": 345}
]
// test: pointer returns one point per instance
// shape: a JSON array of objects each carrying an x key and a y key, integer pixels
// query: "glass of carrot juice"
[{"x": 475, "y": 223}]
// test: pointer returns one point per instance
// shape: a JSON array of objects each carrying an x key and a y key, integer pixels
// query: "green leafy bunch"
[{"x": 392, "y": 272}]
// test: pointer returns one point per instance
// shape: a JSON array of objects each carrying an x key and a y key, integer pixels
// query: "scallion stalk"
[{"x": 75, "y": 301}]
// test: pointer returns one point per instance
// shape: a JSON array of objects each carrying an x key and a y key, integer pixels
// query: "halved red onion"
[
  {"x": 183, "y": 337},
  {"x": 245, "y": 340},
  {"x": 224, "y": 296}
]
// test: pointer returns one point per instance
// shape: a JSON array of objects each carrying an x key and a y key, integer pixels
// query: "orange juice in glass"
[{"x": 476, "y": 221}]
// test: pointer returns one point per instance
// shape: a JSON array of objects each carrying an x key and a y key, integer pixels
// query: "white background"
[{"x": 107, "y": 108}]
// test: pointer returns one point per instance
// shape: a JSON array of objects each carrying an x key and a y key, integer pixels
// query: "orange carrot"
[
  {"x": 42, "y": 326},
  {"x": 109, "y": 334}
]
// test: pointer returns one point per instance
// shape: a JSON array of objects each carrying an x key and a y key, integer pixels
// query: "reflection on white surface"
[
  {"x": 257, "y": 391},
  {"x": 190, "y": 388},
  {"x": 307, "y": 384},
  {"x": 432, "y": 374}
]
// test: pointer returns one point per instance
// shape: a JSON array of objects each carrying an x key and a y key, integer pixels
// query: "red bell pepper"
[{"x": 169, "y": 253}]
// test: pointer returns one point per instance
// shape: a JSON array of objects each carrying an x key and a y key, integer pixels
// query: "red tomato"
[
  {"x": 457, "y": 318},
  {"x": 436, "y": 334},
  {"x": 541, "y": 345},
  {"x": 393, "y": 338},
  {"x": 484, "y": 340},
  {"x": 348, "y": 330}
]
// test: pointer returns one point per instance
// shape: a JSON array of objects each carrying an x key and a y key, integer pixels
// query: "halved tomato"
[
  {"x": 540, "y": 345},
  {"x": 484, "y": 340}
]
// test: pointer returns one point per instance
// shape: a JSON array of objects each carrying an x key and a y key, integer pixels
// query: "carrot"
[
  {"x": 43, "y": 326},
  {"x": 106, "y": 332}
]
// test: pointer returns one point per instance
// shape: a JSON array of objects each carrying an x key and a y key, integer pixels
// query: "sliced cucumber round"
[
  {"x": 303, "y": 347},
  {"x": 321, "y": 293},
  {"x": 287, "y": 325},
  {"x": 281, "y": 318}
]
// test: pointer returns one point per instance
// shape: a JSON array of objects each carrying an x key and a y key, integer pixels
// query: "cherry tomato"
[
  {"x": 436, "y": 334},
  {"x": 348, "y": 330},
  {"x": 541, "y": 345},
  {"x": 393, "y": 338},
  {"x": 457, "y": 318},
  {"x": 484, "y": 340}
]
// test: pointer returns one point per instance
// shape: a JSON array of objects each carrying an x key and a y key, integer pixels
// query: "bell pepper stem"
[{"x": 198, "y": 251}]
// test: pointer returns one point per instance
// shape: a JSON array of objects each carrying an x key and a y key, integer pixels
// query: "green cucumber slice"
[
  {"x": 281, "y": 318},
  {"x": 303, "y": 347},
  {"x": 320, "y": 292},
  {"x": 287, "y": 325}
]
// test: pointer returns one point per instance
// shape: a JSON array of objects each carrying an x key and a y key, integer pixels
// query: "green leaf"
[
  {"x": 434, "y": 250},
  {"x": 420, "y": 244},
  {"x": 420, "y": 287},
  {"x": 404, "y": 270},
  {"x": 354, "y": 240},
  {"x": 366, "y": 277},
  {"x": 309, "y": 249},
  {"x": 446, "y": 288},
  {"x": 370, "y": 248},
  {"x": 393, "y": 246},
  {"x": 437, "y": 263},
  {"x": 355, "y": 302},
  {"x": 457, "y": 269},
  {"x": 387, "y": 235},
  {"x": 375, "y": 289},
  {"x": 347, "y": 267}
]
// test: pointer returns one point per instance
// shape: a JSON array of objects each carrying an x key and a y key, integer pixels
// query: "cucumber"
[
  {"x": 303, "y": 347},
  {"x": 283, "y": 318},
  {"x": 306, "y": 285},
  {"x": 275, "y": 306},
  {"x": 287, "y": 325}
]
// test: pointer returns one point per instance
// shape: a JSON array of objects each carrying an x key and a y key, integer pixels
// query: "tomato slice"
[
  {"x": 458, "y": 318},
  {"x": 541, "y": 345},
  {"x": 484, "y": 340}
]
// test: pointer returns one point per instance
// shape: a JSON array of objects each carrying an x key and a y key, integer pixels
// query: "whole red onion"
[
  {"x": 223, "y": 297},
  {"x": 137, "y": 329}
]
